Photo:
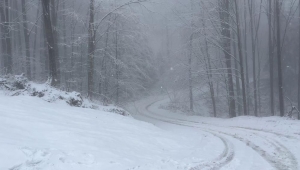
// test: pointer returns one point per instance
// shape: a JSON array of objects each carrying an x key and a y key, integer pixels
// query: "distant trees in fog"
[
  {"x": 246, "y": 50},
  {"x": 94, "y": 47}
]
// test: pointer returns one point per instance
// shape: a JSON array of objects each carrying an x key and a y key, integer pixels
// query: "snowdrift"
[{"x": 19, "y": 86}]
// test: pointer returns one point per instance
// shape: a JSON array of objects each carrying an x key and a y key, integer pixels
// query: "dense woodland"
[
  {"x": 241, "y": 57},
  {"x": 95, "y": 48}
]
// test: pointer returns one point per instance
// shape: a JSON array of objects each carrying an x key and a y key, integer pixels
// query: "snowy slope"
[{"x": 35, "y": 134}]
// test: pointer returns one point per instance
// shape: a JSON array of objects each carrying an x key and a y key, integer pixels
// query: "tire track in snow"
[
  {"x": 224, "y": 158},
  {"x": 282, "y": 160},
  {"x": 283, "y": 154},
  {"x": 270, "y": 132}
]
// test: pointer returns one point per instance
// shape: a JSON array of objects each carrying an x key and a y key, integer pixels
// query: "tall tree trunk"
[
  {"x": 27, "y": 40},
  {"x": 2, "y": 37},
  {"x": 65, "y": 57},
  {"x": 252, "y": 25},
  {"x": 209, "y": 71},
  {"x": 258, "y": 78},
  {"x": 44, "y": 60},
  {"x": 104, "y": 79},
  {"x": 7, "y": 31},
  {"x": 190, "y": 80},
  {"x": 271, "y": 60},
  {"x": 246, "y": 59},
  {"x": 72, "y": 68},
  {"x": 241, "y": 58},
  {"x": 299, "y": 70},
  {"x": 53, "y": 13},
  {"x": 280, "y": 81},
  {"x": 190, "y": 75},
  {"x": 91, "y": 50},
  {"x": 117, "y": 66},
  {"x": 226, "y": 41},
  {"x": 20, "y": 40},
  {"x": 35, "y": 44},
  {"x": 50, "y": 41},
  {"x": 237, "y": 78}
]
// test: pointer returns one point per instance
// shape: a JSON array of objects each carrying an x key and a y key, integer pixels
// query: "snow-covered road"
[{"x": 248, "y": 143}]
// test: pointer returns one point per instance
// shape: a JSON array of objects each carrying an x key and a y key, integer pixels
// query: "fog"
[{"x": 235, "y": 57}]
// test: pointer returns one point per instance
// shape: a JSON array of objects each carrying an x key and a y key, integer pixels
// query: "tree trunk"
[
  {"x": 246, "y": 59},
  {"x": 190, "y": 76},
  {"x": 91, "y": 50},
  {"x": 20, "y": 40},
  {"x": 258, "y": 77},
  {"x": 226, "y": 41},
  {"x": 50, "y": 41},
  {"x": 209, "y": 71},
  {"x": 271, "y": 61},
  {"x": 237, "y": 78},
  {"x": 35, "y": 44},
  {"x": 3, "y": 42},
  {"x": 299, "y": 71},
  {"x": 26, "y": 38},
  {"x": 53, "y": 13},
  {"x": 8, "y": 54},
  {"x": 252, "y": 25},
  {"x": 241, "y": 58},
  {"x": 280, "y": 81},
  {"x": 45, "y": 60},
  {"x": 65, "y": 57},
  {"x": 105, "y": 80},
  {"x": 117, "y": 66}
]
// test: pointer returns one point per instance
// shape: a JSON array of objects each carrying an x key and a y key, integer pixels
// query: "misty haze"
[{"x": 149, "y": 84}]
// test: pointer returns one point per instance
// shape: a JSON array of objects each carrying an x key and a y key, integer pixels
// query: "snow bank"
[
  {"x": 19, "y": 86},
  {"x": 35, "y": 134}
]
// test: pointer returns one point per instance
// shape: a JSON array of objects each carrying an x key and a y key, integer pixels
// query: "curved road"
[{"x": 243, "y": 148}]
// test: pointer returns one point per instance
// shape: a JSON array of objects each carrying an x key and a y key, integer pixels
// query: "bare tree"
[
  {"x": 254, "y": 26},
  {"x": 50, "y": 42},
  {"x": 91, "y": 48},
  {"x": 27, "y": 39},
  {"x": 271, "y": 60},
  {"x": 279, "y": 58},
  {"x": 224, "y": 15},
  {"x": 299, "y": 70},
  {"x": 241, "y": 58},
  {"x": 6, "y": 44},
  {"x": 3, "y": 34},
  {"x": 34, "y": 58},
  {"x": 209, "y": 70}
]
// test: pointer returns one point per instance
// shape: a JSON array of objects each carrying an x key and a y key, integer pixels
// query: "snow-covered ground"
[
  {"x": 36, "y": 134},
  {"x": 249, "y": 143}
]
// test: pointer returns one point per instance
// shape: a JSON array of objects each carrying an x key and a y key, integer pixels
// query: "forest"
[{"x": 239, "y": 57}]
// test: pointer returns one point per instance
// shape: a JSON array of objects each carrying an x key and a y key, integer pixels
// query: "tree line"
[
  {"x": 244, "y": 53},
  {"x": 94, "y": 47}
]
